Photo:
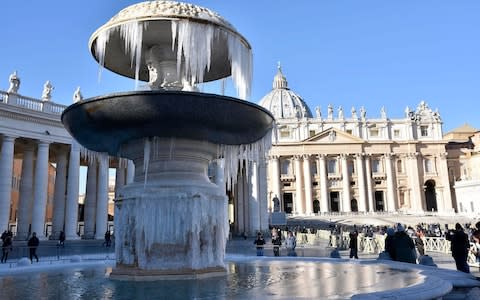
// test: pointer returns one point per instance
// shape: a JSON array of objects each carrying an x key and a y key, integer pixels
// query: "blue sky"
[{"x": 349, "y": 53}]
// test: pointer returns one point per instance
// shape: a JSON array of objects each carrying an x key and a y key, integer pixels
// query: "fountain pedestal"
[{"x": 174, "y": 223}]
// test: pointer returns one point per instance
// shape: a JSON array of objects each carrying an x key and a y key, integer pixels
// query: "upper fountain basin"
[
  {"x": 104, "y": 123},
  {"x": 157, "y": 18}
]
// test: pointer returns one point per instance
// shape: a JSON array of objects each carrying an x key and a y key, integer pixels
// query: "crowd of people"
[{"x": 402, "y": 243}]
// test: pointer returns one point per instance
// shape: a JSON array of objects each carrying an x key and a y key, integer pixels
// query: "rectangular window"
[
  {"x": 428, "y": 165},
  {"x": 374, "y": 132},
  {"x": 376, "y": 166},
  {"x": 332, "y": 166},
  {"x": 284, "y": 133},
  {"x": 349, "y": 131},
  {"x": 396, "y": 133},
  {"x": 424, "y": 130},
  {"x": 312, "y": 133}
]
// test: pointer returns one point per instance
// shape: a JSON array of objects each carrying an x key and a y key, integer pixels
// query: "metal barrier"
[{"x": 54, "y": 253}]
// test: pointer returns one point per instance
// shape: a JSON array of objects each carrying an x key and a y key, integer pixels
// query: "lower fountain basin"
[{"x": 104, "y": 123}]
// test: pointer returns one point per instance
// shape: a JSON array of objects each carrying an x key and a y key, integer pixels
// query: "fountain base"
[
  {"x": 132, "y": 274},
  {"x": 172, "y": 223}
]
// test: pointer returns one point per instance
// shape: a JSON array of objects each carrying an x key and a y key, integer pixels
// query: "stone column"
[
  {"x": 391, "y": 186},
  {"x": 130, "y": 171},
  {"x": 346, "y": 207},
  {"x": 307, "y": 175},
  {"x": 120, "y": 176},
  {"x": 24, "y": 214},
  {"x": 368, "y": 174},
  {"x": 446, "y": 205},
  {"x": 361, "y": 183},
  {"x": 90, "y": 202},
  {"x": 323, "y": 183},
  {"x": 59, "y": 197},
  {"x": 71, "y": 207},
  {"x": 416, "y": 195},
  {"x": 276, "y": 184},
  {"x": 262, "y": 176},
  {"x": 40, "y": 190},
  {"x": 299, "y": 207},
  {"x": 254, "y": 199},
  {"x": 240, "y": 207},
  {"x": 6, "y": 173},
  {"x": 102, "y": 198}
]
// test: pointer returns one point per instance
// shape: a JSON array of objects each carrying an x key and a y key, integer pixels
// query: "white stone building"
[
  {"x": 467, "y": 187},
  {"x": 350, "y": 162}
]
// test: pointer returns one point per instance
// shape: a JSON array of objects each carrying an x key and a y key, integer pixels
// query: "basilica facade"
[{"x": 339, "y": 162}]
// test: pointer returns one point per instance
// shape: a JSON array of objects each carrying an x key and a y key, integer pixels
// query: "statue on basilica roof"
[
  {"x": 354, "y": 113},
  {"x": 330, "y": 112},
  {"x": 14, "y": 83},
  {"x": 363, "y": 113},
  {"x": 383, "y": 113},
  {"x": 340, "y": 112},
  {"x": 47, "y": 91},
  {"x": 318, "y": 112}
]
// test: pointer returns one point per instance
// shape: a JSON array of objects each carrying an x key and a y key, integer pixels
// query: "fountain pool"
[{"x": 246, "y": 278}]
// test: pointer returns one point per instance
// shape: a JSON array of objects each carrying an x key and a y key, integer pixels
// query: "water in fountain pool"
[{"x": 258, "y": 279}]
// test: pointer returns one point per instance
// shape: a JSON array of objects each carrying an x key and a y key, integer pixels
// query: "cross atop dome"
[{"x": 279, "y": 81}]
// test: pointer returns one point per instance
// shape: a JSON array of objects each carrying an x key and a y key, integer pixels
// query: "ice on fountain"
[
  {"x": 132, "y": 34},
  {"x": 193, "y": 42}
]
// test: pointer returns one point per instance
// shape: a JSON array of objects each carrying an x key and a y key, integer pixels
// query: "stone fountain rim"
[{"x": 239, "y": 126}]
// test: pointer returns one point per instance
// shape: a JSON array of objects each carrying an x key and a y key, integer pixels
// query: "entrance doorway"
[
  {"x": 316, "y": 206},
  {"x": 379, "y": 201},
  {"x": 288, "y": 203},
  {"x": 430, "y": 196},
  {"x": 354, "y": 204},
  {"x": 334, "y": 199}
]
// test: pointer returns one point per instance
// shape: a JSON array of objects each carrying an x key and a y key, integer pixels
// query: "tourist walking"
[
  {"x": 108, "y": 239},
  {"x": 33, "y": 243},
  {"x": 353, "y": 244},
  {"x": 291, "y": 244},
  {"x": 404, "y": 246},
  {"x": 419, "y": 242},
  {"x": 61, "y": 239},
  {"x": 260, "y": 242},
  {"x": 459, "y": 246},
  {"x": 276, "y": 241},
  {"x": 389, "y": 243},
  {"x": 6, "y": 247}
]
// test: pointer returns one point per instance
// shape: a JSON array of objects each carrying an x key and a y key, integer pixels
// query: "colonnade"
[{"x": 36, "y": 155}]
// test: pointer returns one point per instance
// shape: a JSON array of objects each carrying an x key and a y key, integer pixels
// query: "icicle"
[
  {"x": 100, "y": 47},
  {"x": 146, "y": 158},
  {"x": 132, "y": 35},
  {"x": 194, "y": 45}
]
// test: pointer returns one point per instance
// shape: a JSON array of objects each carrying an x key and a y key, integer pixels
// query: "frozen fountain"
[{"x": 171, "y": 222}]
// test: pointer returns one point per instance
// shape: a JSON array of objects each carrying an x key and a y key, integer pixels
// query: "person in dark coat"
[
  {"x": 108, "y": 238},
  {"x": 419, "y": 242},
  {"x": 260, "y": 242},
  {"x": 404, "y": 246},
  {"x": 389, "y": 244},
  {"x": 459, "y": 246},
  {"x": 6, "y": 247},
  {"x": 276, "y": 241},
  {"x": 61, "y": 239},
  {"x": 353, "y": 245},
  {"x": 33, "y": 243}
]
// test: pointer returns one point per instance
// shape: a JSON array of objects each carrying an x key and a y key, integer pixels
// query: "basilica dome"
[{"x": 284, "y": 103}]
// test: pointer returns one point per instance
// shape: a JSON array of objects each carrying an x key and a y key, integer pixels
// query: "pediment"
[{"x": 333, "y": 136}]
